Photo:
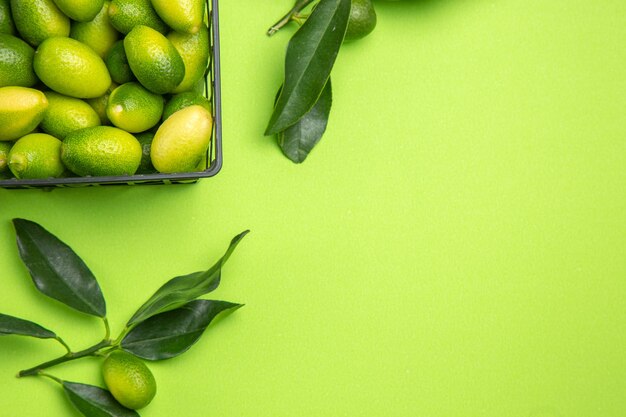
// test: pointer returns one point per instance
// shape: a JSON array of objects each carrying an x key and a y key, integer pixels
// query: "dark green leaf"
[
  {"x": 299, "y": 139},
  {"x": 180, "y": 290},
  {"x": 14, "y": 325},
  {"x": 57, "y": 270},
  {"x": 94, "y": 401},
  {"x": 311, "y": 54},
  {"x": 171, "y": 333}
]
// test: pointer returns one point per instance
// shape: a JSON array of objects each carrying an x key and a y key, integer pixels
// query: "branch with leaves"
[{"x": 165, "y": 326}]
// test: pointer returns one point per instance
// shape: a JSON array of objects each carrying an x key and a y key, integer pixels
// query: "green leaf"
[
  {"x": 311, "y": 54},
  {"x": 94, "y": 401},
  {"x": 57, "y": 270},
  {"x": 180, "y": 290},
  {"x": 299, "y": 139},
  {"x": 17, "y": 326},
  {"x": 169, "y": 334}
]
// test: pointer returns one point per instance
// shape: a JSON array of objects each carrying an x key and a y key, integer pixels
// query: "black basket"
[{"x": 214, "y": 153}]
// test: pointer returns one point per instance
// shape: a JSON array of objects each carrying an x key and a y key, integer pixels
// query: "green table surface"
[{"x": 454, "y": 246}]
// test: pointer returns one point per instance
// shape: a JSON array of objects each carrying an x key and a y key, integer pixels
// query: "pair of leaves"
[{"x": 301, "y": 112}]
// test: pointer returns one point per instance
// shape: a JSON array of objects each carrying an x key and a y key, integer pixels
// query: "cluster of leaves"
[
  {"x": 304, "y": 100},
  {"x": 165, "y": 326}
]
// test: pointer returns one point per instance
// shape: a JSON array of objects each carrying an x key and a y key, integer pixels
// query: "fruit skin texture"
[
  {"x": 129, "y": 380},
  {"x": 6, "y": 20},
  {"x": 117, "y": 64},
  {"x": 184, "y": 16},
  {"x": 133, "y": 108},
  {"x": 101, "y": 151},
  {"x": 126, "y": 14},
  {"x": 37, "y": 155},
  {"x": 154, "y": 60},
  {"x": 67, "y": 114},
  {"x": 362, "y": 20},
  {"x": 182, "y": 140},
  {"x": 182, "y": 100},
  {"x": 16, "y": 62},
  {"x": 21, "y": 110},
  {"x": 56, "y": 58},
  {"x": 194, "y": 50},
  {"x": 80, "y": 10},
  {"x": 98, "y": 33},
  {"x": 5, "y": 147},
  {"x": 37, "y": 20}
]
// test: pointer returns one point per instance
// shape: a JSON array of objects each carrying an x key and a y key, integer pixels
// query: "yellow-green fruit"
[
  {"x": 129, "y": 380},
  {"x": 6, "y": 20},
  {"x": 99, "y": 104},
  {"x": 182, "y": 100},
  {"x": 98, "y": 33},
  {"x": 133, "y": 108},
  {"x": 5, "y": 147},
  {"x": 182, "y": 140},
  {"x": 194, "y": 50},
  {"x": 67, "y": 114},
  {"x": 37, "y": 155},
  {"x": 154, "y": 60},
  {"x": 38, "y": 20},
  {"x": 16, "y": 62},
  {"x": 101, "y": 151},
  {"x": 145, "y": 139},
  {"x": 80, "y": 10},
  {"x": 362, "y": 20},
  {"x": 117, "y": 64},
  {"x": 72, "y": 68},
  {"x": 21, "y": 110},
  {"x": 126, "y": 14},
  {"x": 181, "y": 15}
]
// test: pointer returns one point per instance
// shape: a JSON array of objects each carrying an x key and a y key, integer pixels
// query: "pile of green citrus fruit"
[{"x": 103, "y": 88}]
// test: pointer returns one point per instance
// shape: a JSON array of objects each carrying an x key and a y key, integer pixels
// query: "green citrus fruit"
[
  {"x": 37, "y": 20},
  {"x": 133, "y": 108},
  {"x": 182, "y": 100},
  {"x": 362, "y": 20},
  {"x": 145, "y": 139},
  {"x": 37, "y": 155},
  {"x": 184, "y": 16},
  {"x": 99, "y": 104},
  {"x": 67, "y": 114},
  {"x": 72, "y": 68},
  {"x": 182, "y": 140},
  {"x": 80, "y": 10},
  {"x": 117, "y": 64},
  {"x": 126, "y": 14},
  {"x": 16, "y": 62},
  {"x": 101, "y": 151},
  {"x": 21, "y": 110},
  {"x": 194, "y": 50},
  {"x": 98, "y": 33},
  {"x": 129, "y": 380},
  {"x": 154, "y": 60},
  {"x": 5, "y": 147},
  {"x": 6, "y": 20}
]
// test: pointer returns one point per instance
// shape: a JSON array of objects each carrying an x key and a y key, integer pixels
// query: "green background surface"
[{"x": 455, "y": 245}]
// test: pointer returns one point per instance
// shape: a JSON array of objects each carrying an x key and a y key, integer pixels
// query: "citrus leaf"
[
  {"x": 311, "y": 54},
  {"x": 180, "y": 290},
  {"x": 169, "y": 334},
  {"x": 299, "y": 139},
  {"x": 57, "y": 270},
  {"x": 94, "y": 401},
  {"x": 14, "y": 325}
]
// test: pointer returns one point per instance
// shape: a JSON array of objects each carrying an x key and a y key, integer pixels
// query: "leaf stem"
[
  {"x": 65, "y": 345},
  {"x": 52, "y": 377},
  {"x": 300, "y": 4},
  {"x": 107, "y": 328},
  {"x": 70, "y": 356}
]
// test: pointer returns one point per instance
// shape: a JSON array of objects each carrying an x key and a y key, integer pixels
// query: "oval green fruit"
[
  {"x": 98, "y": 33},
  {"x": 182, "y": 100},
  {"x": 6, "y": 20},
  {"x": 80, "y": 10},
  {"x": 117, "y": 64},
  {"x": 37, "y": 155},
  {"x": 182, "y": 140},
  {"x": 5, "y": 147},
  {"x": 57, "y": 58},
  {"x": 362, "y": 20},
  {"x": 16, "y": 62},
  {"x": 101, "y": 151},
  {"x": 126, "y": 14},
  {"x": 21, "y": 110},
  {"x": 67, "y": 114},
  {"x": 194, "y": 50},
  {"x": 133, "y": 108},
  {"x": 38, "y": 20},
  {"x": 129, "y": 380},
  {"x": 154, "y": 60},
  {"x": 184, "y": 16}
]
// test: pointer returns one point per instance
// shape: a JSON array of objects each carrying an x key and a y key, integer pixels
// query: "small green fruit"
[{"x": 129, "y": 380}]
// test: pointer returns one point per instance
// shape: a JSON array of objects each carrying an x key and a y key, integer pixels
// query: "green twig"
[
  {"x": 65, "y": 345},
  {"x": 300, "y": 4}
]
